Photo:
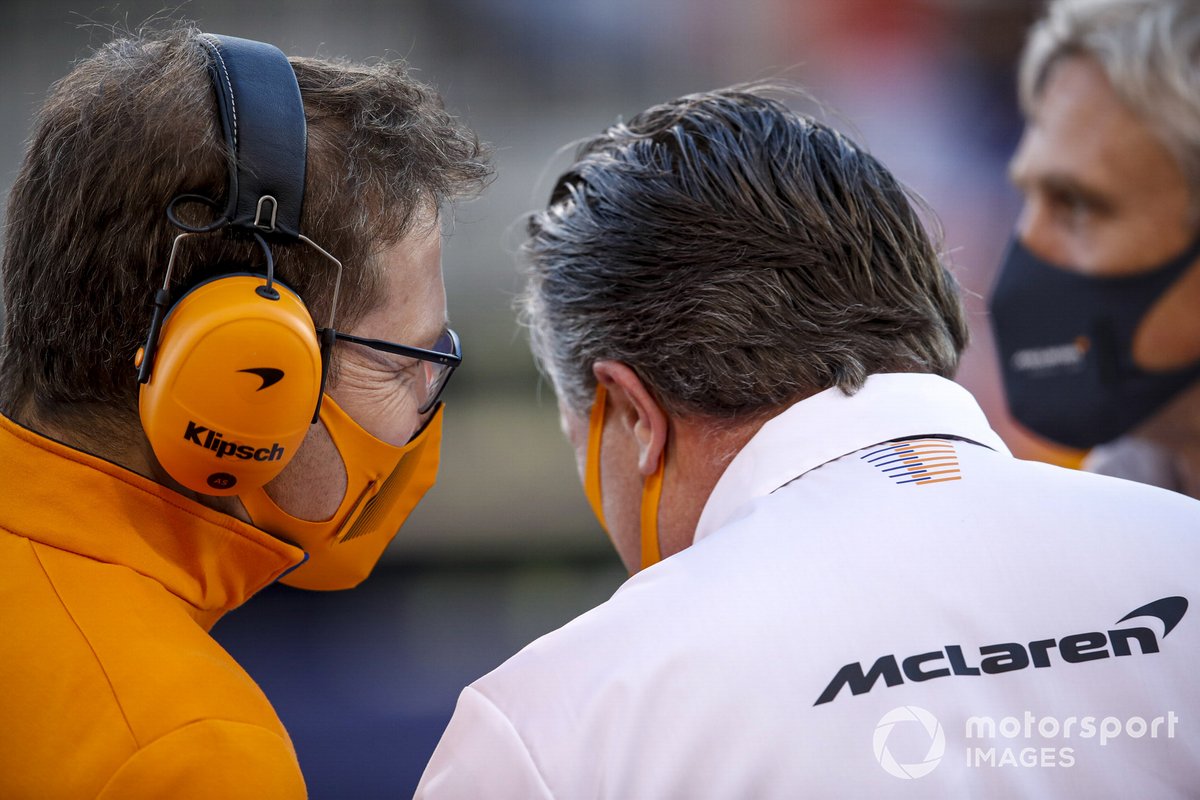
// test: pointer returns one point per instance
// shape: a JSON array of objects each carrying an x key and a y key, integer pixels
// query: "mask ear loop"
[
  {"x": 591, "y": 479},
  {"x": 651, "y": 493},
  {"x": 651, "y": 487}
]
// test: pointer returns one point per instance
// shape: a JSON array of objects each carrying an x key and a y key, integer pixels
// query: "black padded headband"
[{"x": 262, "y": 117}]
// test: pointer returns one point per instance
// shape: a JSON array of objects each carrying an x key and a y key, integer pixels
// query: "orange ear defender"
[
  {"x": 236, "y": 375},
  {"x": 232, "y": 375}
]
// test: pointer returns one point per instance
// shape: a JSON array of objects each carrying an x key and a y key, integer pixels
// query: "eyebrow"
[{"x": 1064, "y": 184}]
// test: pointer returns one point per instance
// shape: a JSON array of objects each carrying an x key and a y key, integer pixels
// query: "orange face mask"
[
  {"x": 384, "y": 483},
  {"x": 651, "y": 487}
]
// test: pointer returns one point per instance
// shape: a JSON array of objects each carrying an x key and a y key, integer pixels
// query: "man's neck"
[{"x": 698, "y": 453}]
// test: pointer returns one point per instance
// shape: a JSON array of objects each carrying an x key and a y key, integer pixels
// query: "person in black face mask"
[{"x": 1096, "y": 310}]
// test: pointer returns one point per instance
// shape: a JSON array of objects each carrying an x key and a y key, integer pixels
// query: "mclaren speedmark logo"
[
  {"x": 993, "y": 659},
  {"x": 270, "y": 376}
]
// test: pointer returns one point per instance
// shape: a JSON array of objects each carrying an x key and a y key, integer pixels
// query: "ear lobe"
[{"x": 636, "y": 408}]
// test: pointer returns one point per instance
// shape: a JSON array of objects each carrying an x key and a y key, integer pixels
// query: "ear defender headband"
[{"x": 232, "y": 373}]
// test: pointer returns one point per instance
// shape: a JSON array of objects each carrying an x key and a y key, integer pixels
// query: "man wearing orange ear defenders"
[
  {"x": 837, "y": 564},
  {"x": 189, "y": 270}
]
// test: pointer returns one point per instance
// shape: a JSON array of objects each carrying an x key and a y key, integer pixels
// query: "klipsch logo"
[
  {"x": 1009, "y": 656},
  {"x": 215, "y": 441}
]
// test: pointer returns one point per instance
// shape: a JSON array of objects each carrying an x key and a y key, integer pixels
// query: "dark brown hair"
[{"x": 133, "y": 126}]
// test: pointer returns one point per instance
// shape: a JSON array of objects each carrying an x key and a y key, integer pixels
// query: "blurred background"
[{"x": 504, "y": 549}]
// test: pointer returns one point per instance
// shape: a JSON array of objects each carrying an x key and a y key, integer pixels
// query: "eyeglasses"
[{"x": 437, "y": 365}]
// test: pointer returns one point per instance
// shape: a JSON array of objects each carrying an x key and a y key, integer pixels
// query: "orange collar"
[{"x": 70, "y": 500}]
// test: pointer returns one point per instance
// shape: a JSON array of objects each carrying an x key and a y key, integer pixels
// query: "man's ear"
[{"x": 634, "y": 407}]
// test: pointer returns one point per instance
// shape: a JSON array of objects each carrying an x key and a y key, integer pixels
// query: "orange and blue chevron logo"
[{"x": 919, "y": 461}]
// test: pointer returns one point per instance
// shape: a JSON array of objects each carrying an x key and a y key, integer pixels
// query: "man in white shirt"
[
  {"x": 1097, "y": 308},
  {"x": 844, "y": 586}
]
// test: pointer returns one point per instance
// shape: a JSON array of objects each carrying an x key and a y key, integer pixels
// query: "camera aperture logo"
[{"x": 933, "y": 728}]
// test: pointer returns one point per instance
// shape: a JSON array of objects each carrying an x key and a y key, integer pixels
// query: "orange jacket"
[{"x": 110, "y": 685}]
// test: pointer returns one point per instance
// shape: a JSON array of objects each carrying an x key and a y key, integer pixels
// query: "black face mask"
[{"x": 1066, "y": 347}]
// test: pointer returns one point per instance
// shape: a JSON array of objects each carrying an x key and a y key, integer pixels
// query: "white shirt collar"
[{"x": 829, "y": 425}]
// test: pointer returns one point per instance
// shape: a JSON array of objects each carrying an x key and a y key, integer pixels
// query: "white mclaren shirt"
[{"x": 880, "y": 602}]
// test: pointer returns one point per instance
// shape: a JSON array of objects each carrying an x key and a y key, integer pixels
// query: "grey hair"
[
  {"x": 1150, "y": 53},
  {"x": 738, "y": 256}
]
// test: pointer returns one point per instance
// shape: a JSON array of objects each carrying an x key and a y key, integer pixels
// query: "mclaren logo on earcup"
[
  {"x": 235, "y": 382},
  {"x": 270, "y": 376}
]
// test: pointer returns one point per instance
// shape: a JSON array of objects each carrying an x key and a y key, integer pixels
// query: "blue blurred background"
[{"x": 504, "y": 548}]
